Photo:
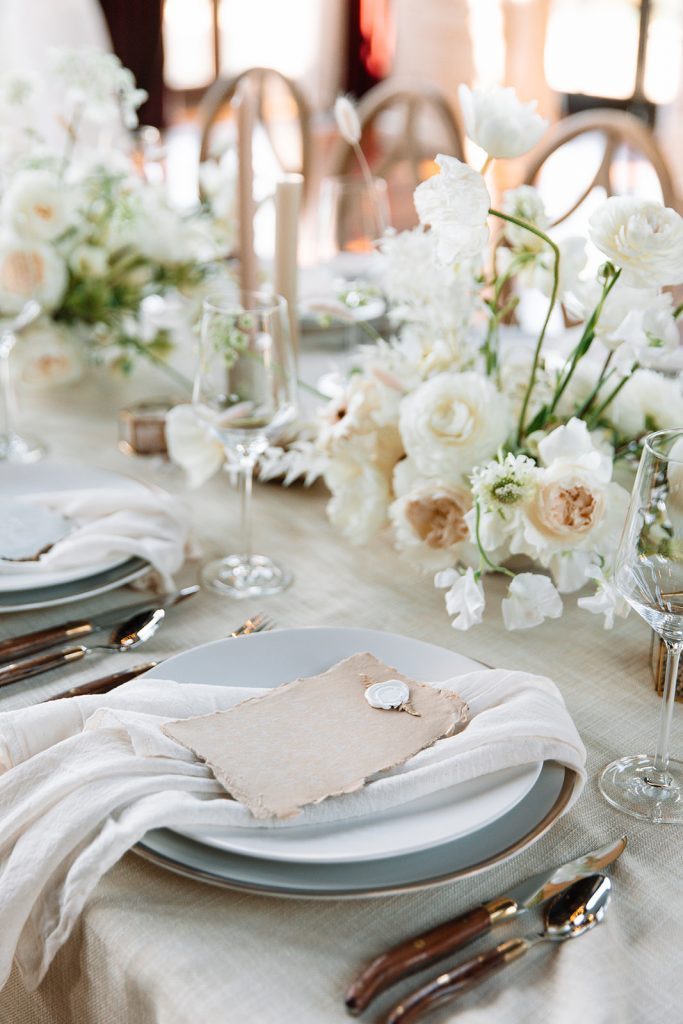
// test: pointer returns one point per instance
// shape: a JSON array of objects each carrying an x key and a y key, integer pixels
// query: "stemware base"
[
  {"x": 15, "y": 448},
  {"x": 237, "y": 576},
  {"x": 627, "y": 785}
]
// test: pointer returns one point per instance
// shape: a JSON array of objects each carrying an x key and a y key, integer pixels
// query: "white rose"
[
  {"x": 48, "y": 355},
  {"x": 531, "y": 599},
  {"x": 453, "y": 422},
  {"x": 192, "y": 446},
  {"x": 30, "y": 270},
  {"x": 455, "y": 203},
  {"x": 360, "y": 491},
  {"x": 642, "y": 237},
  {"x": 430, "y": 526},
  {"x": 498, "y": 122},
  {"x": 648, "y": 401},
  {"x": 526, "y": 204},
  {"x": 36, "y": 205}
]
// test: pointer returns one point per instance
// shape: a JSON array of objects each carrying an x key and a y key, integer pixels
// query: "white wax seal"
[{"x": 390, "y": 694}]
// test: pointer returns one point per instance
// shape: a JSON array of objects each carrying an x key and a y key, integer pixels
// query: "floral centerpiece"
[
  {"x": 82, "y": 230},
  {"x": 475, "y": 447}
]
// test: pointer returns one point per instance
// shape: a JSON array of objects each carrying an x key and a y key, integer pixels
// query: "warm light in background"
[{"x": 188, "y": 43}]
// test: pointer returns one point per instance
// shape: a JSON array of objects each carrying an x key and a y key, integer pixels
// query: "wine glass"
[
  {"x": 352, "y": 216},
  {"x": 649, "y": 574},
  {"x": 15, "y": 447},
  {"x": 245, "y": 393}
]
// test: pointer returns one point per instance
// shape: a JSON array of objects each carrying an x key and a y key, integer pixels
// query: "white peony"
[
  {"x": 648, "y": 401},
  {"x": 498, "y": 122},
  {"x": 526, "y": 204},
  {"x": 429, "y": 523},
  {"x": 531, "y": 599},
  {"x": 360, "y": 491},
  {"x": 36, "y": 205},
  {"x": 453, "y": 422},
  {"x": 465, "y": 599},
  {"x": 455, "y": 204},
  {"x": 48, "y": 355},
  {"x": 642, "y": 237},
  {"x": 30, "y": 270},
  {"x": 192, "y": 446}
]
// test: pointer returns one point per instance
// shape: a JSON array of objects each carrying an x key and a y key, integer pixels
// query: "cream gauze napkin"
[
  {"x": 149, "y": 524},
  {"x": 84, "y": 779}
]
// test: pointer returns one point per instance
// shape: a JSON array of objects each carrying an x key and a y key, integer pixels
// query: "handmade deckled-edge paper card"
[{"x": 317, "y": 737}]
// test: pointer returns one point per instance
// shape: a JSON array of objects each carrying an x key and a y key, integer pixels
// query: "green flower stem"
[
  {"x": 369, "y": 181},
  {"x": 677, "y": 311},
  {"x": 169, "y": 370},
  {"x": 553, "y": 297},
  {"x": 604, "y": 375},
  {"x": 584, "y": 344},
  {"x": 490, "y": 352},
  {"x": 595, "y": 418},
  {"x": 482, "y": 552}
]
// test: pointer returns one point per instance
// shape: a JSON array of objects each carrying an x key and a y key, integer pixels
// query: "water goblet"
[
  {"x": 649, "y": 574},
  {"x": 245, "y": 393},
  {"x": 15, "y": 447}
]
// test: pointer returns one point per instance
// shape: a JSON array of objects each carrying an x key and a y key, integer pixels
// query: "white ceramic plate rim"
[
  {"x": 66, "y": 471},
  {"x": 77, "y": 590},
  {"x": 410, "y": 827}
]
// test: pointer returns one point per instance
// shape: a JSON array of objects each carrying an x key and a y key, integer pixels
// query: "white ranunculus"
[
  {"x": 648, "y": 401},
  {"x": 36, "y": 205},
  {"x": 606, "y": 600},
  {"x": 30, "y": 270},
  {"x": 465, "y": 599},
  {"x": 452, "y": 423},
  {"x": 48, "y": 355},
  {"x": 531, "y": 599},
  {"x": 497, "y": 121},
  {"x": 642, "y": 237},
  {"x": 455, "y": 204},
  {"x": 429, "y": 523},
  {"x": 360, "y": 490},
  {"x": 526, "y": 204},
  {"x": 192, "y": 446}
]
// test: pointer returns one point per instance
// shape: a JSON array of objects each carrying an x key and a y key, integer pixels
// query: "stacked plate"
[
  {"x": 21, "y": 591},
  {"x": 459, "y": 831}
]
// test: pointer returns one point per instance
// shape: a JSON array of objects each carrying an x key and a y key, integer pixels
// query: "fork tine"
[{"x": 254, "y": 624}]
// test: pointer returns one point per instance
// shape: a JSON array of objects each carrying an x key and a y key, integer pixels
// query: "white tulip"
[
  {"x": 36, "y": 206},
  {"x": 642, "y": 237},
  {"x": 497, "y": 121},
  {"x": 452, "y": 423},
  {"x": 465, "y": 600},
  {"x": 455, "y": 204},
  {"x": 531, "y": 599},
  {"x": 192, "y": 446}
]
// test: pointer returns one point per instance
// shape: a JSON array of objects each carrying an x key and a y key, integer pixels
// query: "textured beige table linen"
[{"x": 156, "y": 949}]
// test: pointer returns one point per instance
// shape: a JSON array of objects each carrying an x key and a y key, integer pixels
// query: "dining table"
[{"x": 155, "y": 948}]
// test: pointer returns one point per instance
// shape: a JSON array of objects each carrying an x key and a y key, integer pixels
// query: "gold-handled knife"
[
  {"x": 425, "y": 949},
  {"x": 43, "y": 639}
]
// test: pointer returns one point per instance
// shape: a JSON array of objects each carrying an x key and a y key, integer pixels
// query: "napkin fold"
[
  {"x": 112, "y": 522},
  {"x": 83, "y": 779}
]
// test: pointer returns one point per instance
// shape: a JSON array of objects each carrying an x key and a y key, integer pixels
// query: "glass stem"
[
  {"x": 246, "y": 480},
  {"x": 8, "y": 410},
  {"x": 660, "y": 776}
]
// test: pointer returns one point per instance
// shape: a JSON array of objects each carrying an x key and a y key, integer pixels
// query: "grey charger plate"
[{"x": 76, "y": 590}]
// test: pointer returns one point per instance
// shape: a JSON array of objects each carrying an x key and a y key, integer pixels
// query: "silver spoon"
[
  {"x": 134, "y": 631},
  {"x": 575, "y": 911}
]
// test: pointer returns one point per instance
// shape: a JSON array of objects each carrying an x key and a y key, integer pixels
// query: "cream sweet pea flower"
[
  {"x": 498, "y": 122},
  {"x": 429, "y": 523},
  {"x": 192, "y": 446},
  {"x": 642, "y": 237},
  {"x": 465, "y": 599},
  {"x": 606, "y": 600},
  {"x": 30, "y": 270},
  {"x": 452, "y": 423},
  {"x": 455, "y": 204},
  {"x": 531, "y": 599},
  {"x": 36, "y": 205}
]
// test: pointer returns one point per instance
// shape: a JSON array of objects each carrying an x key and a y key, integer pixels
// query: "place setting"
[{"x": 321, "y": 691}]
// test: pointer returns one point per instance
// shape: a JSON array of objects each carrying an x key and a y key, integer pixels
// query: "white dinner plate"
[
  {"x": 267, "y": 658},
  {"x": 17, "y": 480}
]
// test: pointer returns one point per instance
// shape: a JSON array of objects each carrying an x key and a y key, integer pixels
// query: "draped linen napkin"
[
  {"x": 110, "y": 523},
  {"x": 84, "y": 778}
]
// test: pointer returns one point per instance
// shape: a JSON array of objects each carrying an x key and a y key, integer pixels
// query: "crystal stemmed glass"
[
  {"x": 13, "y": 446},
  {"x": 245, "y": 393},
  {"x": 649, "y": 574}
]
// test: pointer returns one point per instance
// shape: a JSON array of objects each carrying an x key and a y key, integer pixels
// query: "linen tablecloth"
[{"x": 152, "y": 948}]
